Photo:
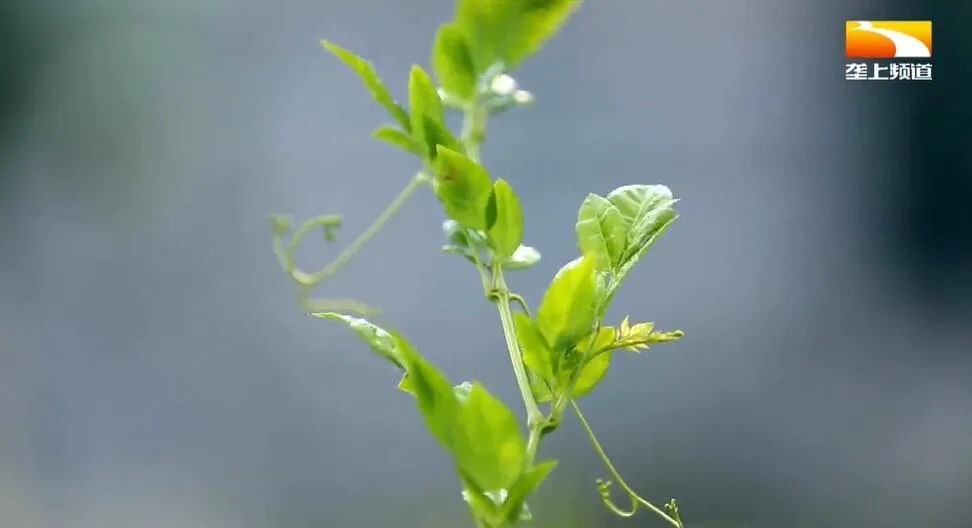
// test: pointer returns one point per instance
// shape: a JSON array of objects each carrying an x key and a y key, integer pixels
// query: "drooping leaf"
[
  {"x": 601, "y": 231},
  {"x": 376, "y": 337},
  {"x": 478, "y": 430},
  {"x": 453, "y": 62},
  {"x": 568, "y": 308},
  {"x": 536, "y": 353},
  {"x": 524, "y": 257},
  {"x": 370, "y": 78},
  {"x": 491, "y": 448},
  {"x": 463, "y": 187},
  {"x": 504, "y": 220},
  {"x": 523, "y": 487},
  {"x": 399, "y": 138}
]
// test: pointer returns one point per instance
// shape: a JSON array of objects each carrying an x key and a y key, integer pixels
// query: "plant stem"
[
  {"x": 473, "y": 129},
  {"x": 635, "y": 498},
  {"x": 535, "y": 417}
]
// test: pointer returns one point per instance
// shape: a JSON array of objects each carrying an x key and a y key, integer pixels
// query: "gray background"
[{"x": 155, "y": 372}]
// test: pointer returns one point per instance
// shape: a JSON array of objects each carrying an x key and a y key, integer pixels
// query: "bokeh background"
[{"x": 155, "y": 371}]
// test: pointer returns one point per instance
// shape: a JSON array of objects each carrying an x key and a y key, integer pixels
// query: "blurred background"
[{"x": 155, "y": 370}]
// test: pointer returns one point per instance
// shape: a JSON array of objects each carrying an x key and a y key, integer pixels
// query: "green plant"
[{"x": 563, "y": 350}]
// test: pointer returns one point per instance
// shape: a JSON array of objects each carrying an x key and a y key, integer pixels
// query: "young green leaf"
[
  {"x": 370, "y": 78},
  {"x": 426, "y": 110},
  {"x": 601, "y": 231},
  {"x": 569, "y": 306},
  {"x": 524, "y": 257},
  {"x": 463, "y": 187},
  {"x": 594, "y": 369},
  {"x": 504, "y": 220},
  {"x": 536, "y": 353},
  {"x": 523, "y": 487},
  {"x": 395, "y": 136},
  {"x": 453, "y": 63},
  {"x": 591, "y": 374},
  {"x": 639, "y": 336}
]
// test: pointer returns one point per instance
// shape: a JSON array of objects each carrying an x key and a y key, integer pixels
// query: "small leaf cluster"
[{"x": 566, "y": 346}]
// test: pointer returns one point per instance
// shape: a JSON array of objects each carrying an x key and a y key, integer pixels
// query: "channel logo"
[{"x": 886, "y": 39}]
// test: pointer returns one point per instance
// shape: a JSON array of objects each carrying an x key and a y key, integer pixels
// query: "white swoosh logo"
[{"x": 904, "y": 44}]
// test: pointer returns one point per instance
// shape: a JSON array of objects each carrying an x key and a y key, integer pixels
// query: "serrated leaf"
[
  {"x": 453, "y": 62},
  {"x": 536, "y": 353},
  {"x": 524, "y": 487},
  {"x": 369, "y": 77},
  {"x": 463, "y": 186},
  {"x": 524, "y": 257},
  {"x": 504, "y": 220},
  {"x": 396, "y": 136},
  {"x": 568, "y": 308},
  {"x": 601, "y": 231}
]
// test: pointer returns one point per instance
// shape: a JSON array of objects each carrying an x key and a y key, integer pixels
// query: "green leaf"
[
  {"x": 524, "y": 257},
  {"x": 490, "y": 448},
  {"x": 524, "y": 487},
  {"x": 437, "y": 133},
  {"x": 509, "y": 30},
  {"x": 397, "y": 137},
  {"x": 504, "y": 220},
  {"x": 369, "y": 77},
  {"x": 646, "y": 211},
  {"x": 595, "y": 368},
  {"x": 601, "y": 231},
  {"x": 426, "y": 107},
  {"x": 536, "y": 353},
  {"x": 538, "y": 21},
  {"x": 569, "y": 306},
  {"x": 453, "y": 63},
  {"x": 463, "y": 187}
]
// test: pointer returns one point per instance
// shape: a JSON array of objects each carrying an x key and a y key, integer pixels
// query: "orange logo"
[{"x": 880, "y": 39}]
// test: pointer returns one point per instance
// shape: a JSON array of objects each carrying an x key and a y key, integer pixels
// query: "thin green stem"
[
  {"x": 635, "y": 498},
  {"x": 535, "y": 418},
  {"x": 522, "y": 302},
  {"x": 306, "y": 281},
  {"x": 396, "y": 204}
]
